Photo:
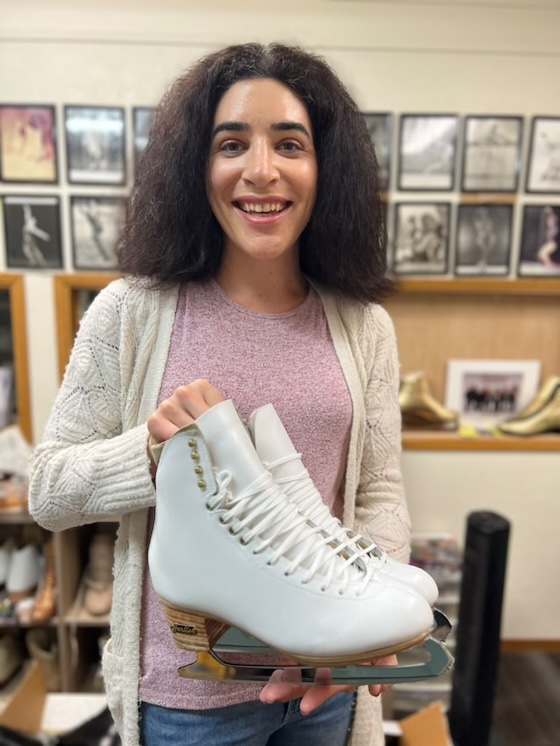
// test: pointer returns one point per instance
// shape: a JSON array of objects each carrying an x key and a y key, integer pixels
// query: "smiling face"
[{"x": 262, "y": 170}]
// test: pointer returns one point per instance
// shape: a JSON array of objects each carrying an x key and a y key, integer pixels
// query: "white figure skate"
[
  {"x": 229, "y": 550},
  {"x": 278, "y": 455}
]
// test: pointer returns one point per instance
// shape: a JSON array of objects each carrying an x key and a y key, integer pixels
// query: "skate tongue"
[
  {"x": 273, "y": 443},
  {"x": 229, "y": 444}
]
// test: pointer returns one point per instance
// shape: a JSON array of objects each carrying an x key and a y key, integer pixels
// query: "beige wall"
[{"x": 449, "y": 56}]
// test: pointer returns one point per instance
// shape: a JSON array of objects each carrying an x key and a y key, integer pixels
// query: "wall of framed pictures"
[{"x": 458, "y": 99}]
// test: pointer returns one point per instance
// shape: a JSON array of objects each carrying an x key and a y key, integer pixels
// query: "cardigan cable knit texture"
[{"x": 92, "y": 463}]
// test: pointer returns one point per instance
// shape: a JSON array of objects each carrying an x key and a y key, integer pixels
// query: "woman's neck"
[{"x": 266, "y": 289}]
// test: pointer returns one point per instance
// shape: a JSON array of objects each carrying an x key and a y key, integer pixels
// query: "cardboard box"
[
  {"x": 28, "y": 708},
  {"x": 428, "y": 727}
]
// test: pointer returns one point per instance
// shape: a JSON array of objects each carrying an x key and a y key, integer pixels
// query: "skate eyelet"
[{"x": 243, "y": 541}]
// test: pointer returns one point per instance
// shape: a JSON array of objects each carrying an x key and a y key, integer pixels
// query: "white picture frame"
[{"x": 487, "y": 392}]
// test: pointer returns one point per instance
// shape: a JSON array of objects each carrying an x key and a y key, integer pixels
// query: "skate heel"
[{"x": 192, "y": 631}]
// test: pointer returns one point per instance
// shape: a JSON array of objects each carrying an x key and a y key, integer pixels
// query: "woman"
[{"x": 255, "y": 256}]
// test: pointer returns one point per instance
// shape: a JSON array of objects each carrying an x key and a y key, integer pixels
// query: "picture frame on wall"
[
  {"x": 427, "y": 152},
  {"x": 32, "y": 232},
  {"x": 95, "y": 145},
  {"x": 487, "y": 392},
  {"x": 28, "y": 144},
  {"x": 483, "y": 239},
  {"x": 539, "y": 253},
  {"x": 380, "y": 128},
  {"x": 142, "y": 118},
  {"x": 97, "y": 223},
  {"x": 491, "y": 153},
  {"x": 420, "y": 238},
  {"x": 543, "y": 169}
]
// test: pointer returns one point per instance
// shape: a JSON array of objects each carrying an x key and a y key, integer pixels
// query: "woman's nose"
[{"x": 260, "y": 165}]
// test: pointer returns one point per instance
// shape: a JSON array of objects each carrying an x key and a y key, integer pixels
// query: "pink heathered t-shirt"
[{"x": 285, "y": 359}]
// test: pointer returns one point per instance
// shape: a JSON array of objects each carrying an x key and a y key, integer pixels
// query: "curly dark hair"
[{"x": 171, "y": 234}]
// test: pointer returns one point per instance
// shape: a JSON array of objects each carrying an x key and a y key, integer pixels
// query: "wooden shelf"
[
  {"x": 440, "y": 441},
  {"x": 66, "y": 293},
  {"x": 478, "y": 286}
]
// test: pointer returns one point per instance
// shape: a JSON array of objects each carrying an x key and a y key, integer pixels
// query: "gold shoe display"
[
  {"x": 541, "y": 416},
  {"x": 419, "y": 408}
]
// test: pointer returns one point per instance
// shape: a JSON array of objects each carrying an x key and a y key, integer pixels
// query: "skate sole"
[{"x": 197, "y": 633}]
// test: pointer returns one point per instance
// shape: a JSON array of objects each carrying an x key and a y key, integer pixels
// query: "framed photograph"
[
  {"x": 380, "y": 128},
  {"x": 539, "y": 253},
  {"x": 28, "y": 144},
  {"x": 32, "y": 232},
  {"x": 97, "y": 223},
  {"x": 95, "y": 144},
  {"x": 420, "y": 242},
  {"x": 142, "y": 117},
  {"x": 427, "y": 149},
  {"x": 486, "y": 392},
  {"x": 543, "y": 170},
  {"x": 491, "y": 154},
  {"x": 483, "y": 239}
]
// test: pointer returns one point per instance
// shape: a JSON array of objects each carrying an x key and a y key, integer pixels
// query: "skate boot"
[
  {"x": 278, "y": 455},
  {"x": 420, "y": 409},
  {"x": 229, "y": 550}
]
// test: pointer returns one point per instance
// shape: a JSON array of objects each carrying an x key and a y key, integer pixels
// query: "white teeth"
[{"x": 265, "y": 207}]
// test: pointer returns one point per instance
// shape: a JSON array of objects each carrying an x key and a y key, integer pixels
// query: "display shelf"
[
  {"x": 69, "y": 290},
  {"x": 475, "y": 318},
  {"x": 427, "y": 440},
  {"x": 13, "y": 284}
]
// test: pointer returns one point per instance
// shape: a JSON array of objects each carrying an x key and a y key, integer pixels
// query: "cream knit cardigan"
[{"x": 92, "y": 463}]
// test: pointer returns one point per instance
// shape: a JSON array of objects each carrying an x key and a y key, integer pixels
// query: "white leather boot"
[
  {"x": 278, "y": 455},
  {"x": 228, "y": 549}
]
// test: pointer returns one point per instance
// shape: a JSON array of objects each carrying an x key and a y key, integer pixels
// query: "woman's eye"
[
  {"x": 290, "y": 146},
  {"x": 230, "y": 147}
]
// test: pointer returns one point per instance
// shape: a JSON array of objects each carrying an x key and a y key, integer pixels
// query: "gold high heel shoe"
[
  {"x": 420, "y": 409},
  {"x": 541, "y": 416}
]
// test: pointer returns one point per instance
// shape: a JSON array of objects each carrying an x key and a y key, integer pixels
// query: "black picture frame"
[
  {"x": 95, "y": 145},
  {"x": 142, "y": 118},
  {"x": 420, "y": 238},
  {"x": 543, "y": 165},
  {"x": 97, "y": 222},
  {"x": 380, "y": 128},
  {"x": 539, "y": 249},
  {"x": 28, "y": 144},
  {"x": 483, "y": 240},
  {"x": 491, "y": 157},
  {"x": 33, "y": 239},
  {"x": 427, "y": 152}
]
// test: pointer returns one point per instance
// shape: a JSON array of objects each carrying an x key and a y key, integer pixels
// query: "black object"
[
  {"x": 99, "y": 731},
  {"x": 478, "y": 639}
]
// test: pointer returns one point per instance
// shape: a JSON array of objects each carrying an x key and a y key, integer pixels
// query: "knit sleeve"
[
  {"x": 86, "y": 468},
  {"x": 381, "y": 509}
]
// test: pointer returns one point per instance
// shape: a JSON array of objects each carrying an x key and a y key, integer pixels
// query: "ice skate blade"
[
  {"x": 442, "y": 626},
  {"x": 210, "y": 666}
]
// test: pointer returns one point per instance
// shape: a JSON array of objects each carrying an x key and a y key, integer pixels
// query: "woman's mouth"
[{"x": 262, "y": 208}]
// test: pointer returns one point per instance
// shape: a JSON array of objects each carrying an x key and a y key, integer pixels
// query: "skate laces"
[
  {"x": 301, "y": 489},
  {"x": 260, "y": 514}
]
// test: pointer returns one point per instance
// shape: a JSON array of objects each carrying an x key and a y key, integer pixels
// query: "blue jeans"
[{"x": 248, "y": 724}]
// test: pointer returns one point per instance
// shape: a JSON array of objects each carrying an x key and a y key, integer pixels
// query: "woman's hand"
[
  {"x": 280, "y": 689},
  {"x": 182, "y": 408}
]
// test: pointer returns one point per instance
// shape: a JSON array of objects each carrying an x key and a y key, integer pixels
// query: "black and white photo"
[
  {"x": 32, "y": 232},
  {"x": 95, "y": 145},
  {"x": 427, "y": 150},
  {"x": 543, "y": 171},
  {"x": 539, "y": 253},
  {"x": 142, "y": 117},
  {"x": 421, "y": 238},
  {"x": 97, "y": 223},
  {"x": 483, "y": 243},
  {"x": 491, "y": 154},
  {"x": 380, "y": 128}
]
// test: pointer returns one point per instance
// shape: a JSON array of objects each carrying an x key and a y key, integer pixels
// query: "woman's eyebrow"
[{"x": 276, "y": 127}]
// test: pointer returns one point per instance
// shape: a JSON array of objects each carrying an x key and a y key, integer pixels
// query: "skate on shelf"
[{"x": 242, "y": 564}]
